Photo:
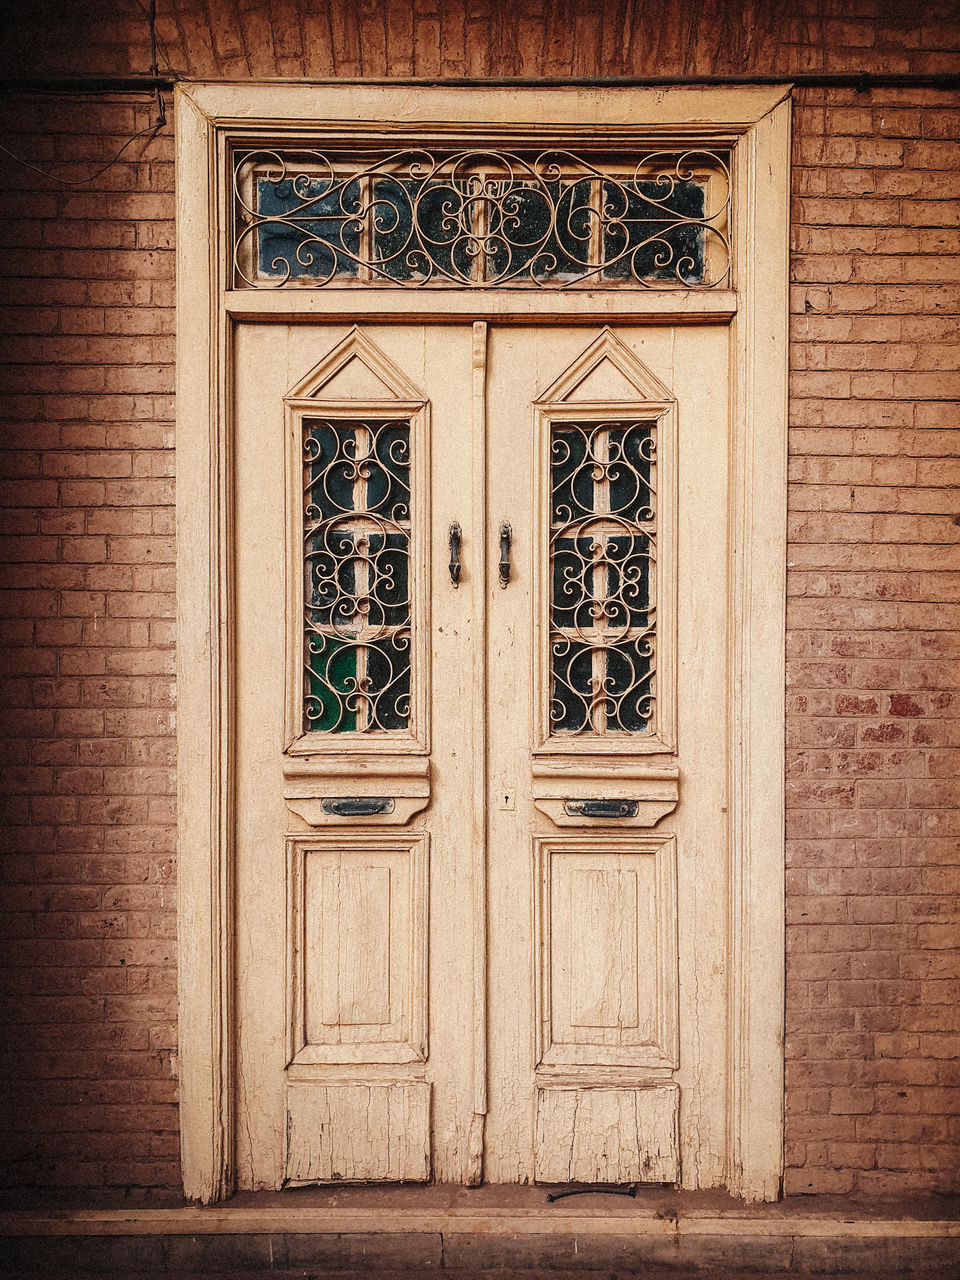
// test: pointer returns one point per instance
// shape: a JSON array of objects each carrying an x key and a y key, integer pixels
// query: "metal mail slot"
[
  {"x": 357, "y": 806},
  {"x": 601, "y": 808}
]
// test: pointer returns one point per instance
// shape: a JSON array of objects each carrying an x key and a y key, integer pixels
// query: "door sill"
[{"x": 504, "y": 1210}]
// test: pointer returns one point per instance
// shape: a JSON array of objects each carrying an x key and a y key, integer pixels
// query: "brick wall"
[
  {"x": 88, "y": 619},
  {"x": 88, "y": 872},
  {"x": 873, "y": 866}
]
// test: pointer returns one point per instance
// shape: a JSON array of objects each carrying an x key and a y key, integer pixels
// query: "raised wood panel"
[
  {"x": 357, "y": 928},
  {"x": 596, "y": 955},
  {"x": 347, "y": 985},
  {"x": 357, "y": 1133},
  {"x": 608, "y": 1135},
  {"x": 606, "y": 951}
]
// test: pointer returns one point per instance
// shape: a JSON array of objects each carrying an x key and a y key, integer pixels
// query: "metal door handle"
[
  {"x": 455, "y": 540},
  {"x": 506, "y": 537},
  {"x": 601, "y": 808}
]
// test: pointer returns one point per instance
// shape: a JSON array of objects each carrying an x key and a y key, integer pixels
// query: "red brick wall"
[
  {"x": 88, "y": 619},
  {"x": 873, "y": 1050},
  {"x": 88, "y": 871}
]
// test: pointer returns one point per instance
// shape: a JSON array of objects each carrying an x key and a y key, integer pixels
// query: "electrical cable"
[
  {"x": 154, "y": 68},
  {"x": 152, "y": 130},
  {"x": 158, "y": 45}
]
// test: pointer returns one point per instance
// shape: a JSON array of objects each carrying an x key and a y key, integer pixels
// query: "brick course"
[{"x": 87, "y": 587}]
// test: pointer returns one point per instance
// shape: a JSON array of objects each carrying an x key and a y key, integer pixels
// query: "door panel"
[
  {"x": 605, "y": 947},
  {"x": 624, "y": 991},
  {"x": 481, "y": 903},
  {"x": 355, "y": 988}
]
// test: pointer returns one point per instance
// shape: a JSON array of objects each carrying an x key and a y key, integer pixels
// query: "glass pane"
[
  {"x": 654, "y": 231},
  {"x": 416, "y": 230},
  {"x": 602, "y": 556},
  {"x": 356, "y": 563},
  {"x": 308, "y": 227}
]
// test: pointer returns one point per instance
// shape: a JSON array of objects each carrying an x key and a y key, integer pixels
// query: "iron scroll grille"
[
  {"x": 415, "y": 217},
  {"x": 357, "y": 617},
  {"x": 603, "y": 556}
]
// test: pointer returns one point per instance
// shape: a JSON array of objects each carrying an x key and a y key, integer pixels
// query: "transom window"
[{"x": 481, "y": 218}]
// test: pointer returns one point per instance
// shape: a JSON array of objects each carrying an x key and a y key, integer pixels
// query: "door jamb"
[{"x": 758, "y": 118}]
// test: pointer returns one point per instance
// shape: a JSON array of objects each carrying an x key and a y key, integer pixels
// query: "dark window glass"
[
  {"x": 647, "y": 235},
  {"x": 308, "y": 228}
]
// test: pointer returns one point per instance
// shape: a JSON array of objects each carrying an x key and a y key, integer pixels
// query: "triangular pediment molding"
[
  {"x": 607, "y": 371},
  {"x": 355, "y": 369}
]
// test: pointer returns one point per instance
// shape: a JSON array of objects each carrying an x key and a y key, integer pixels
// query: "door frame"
[{"x": 757, "y": 120}]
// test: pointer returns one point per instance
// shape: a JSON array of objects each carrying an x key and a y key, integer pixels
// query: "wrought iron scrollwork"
[
  {"x": 603, "y": 582},
  {"x": 356, "y": 557},
  {"x": 481, "y": 218}
]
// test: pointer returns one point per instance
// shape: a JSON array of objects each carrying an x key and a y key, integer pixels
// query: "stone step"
[
  {"x": 498, "y": 1274},
  {"x": 486, "y": 1233},
  {"x": 490, "y": 1255}
]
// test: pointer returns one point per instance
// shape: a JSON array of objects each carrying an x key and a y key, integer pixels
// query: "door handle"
[
  {"x": 455, "y": 540},
  {"x": 506, "y": 537},
  {"x": 600, "y": 808}
]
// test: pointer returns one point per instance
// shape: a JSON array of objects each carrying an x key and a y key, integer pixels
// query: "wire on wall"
[
  {"x": 154, "y": 69},
  {"x": 149, "y": 132}
]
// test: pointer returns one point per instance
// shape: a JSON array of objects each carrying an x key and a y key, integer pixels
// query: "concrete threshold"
[
  {"x": 119, "y": 1222},
  {"x": 521, "y": 1209}
]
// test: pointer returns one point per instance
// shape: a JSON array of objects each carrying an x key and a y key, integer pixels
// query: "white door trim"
[{"x": 757, "y": 121}]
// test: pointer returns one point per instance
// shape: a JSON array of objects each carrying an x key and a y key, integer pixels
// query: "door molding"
[{"x": 756, "y": 121}]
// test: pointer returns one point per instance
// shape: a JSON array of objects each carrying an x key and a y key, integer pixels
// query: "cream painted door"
[{"x": 480, "y": 831}]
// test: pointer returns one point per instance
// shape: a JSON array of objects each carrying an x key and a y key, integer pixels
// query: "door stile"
[
  {"x": 702, "y": 480},
  {"x": 756, "y": 665},
  {"x": 478, "y": 399},
  {"x": 510, "y": 817}
]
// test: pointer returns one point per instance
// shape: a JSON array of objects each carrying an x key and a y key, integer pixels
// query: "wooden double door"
[{"x": 480, "y": 848}]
